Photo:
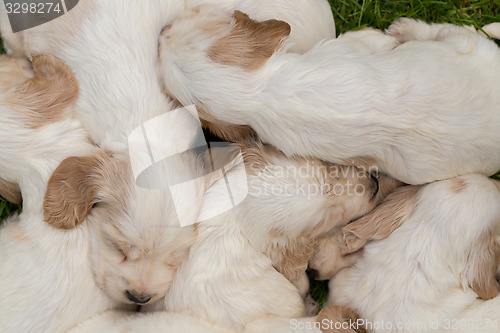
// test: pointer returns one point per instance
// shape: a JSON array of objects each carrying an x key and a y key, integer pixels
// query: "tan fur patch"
[
  {"x": 249, "y": 43},
  {"x": 458, "y": 185},
  {"x": 10, "y": 191},
  {"x": 45, "y": 97},
  {"x": 382, "y": 221},
  {"x": 482, "y": 263},
  {"x": 340, "y": 314},
  {"x": 71, "y": 192},
  {"x": 291, "y": 260}
]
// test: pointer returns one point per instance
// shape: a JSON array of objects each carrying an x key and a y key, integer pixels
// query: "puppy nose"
[
  {"x": 312, "y": 274},
  {"x": 138, "y": 299}
]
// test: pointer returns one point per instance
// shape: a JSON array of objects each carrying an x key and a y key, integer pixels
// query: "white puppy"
[
  {"x": 230, "y": 277},
  {"x": 57, "y": 278},
  {"x": 46, "y": 276},
  {"x": 346, "y": 101},
  {"x": 431, "y": 270}
]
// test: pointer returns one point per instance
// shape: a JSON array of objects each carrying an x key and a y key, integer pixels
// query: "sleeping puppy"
[
  {"x": 346, "y": 101},
  {"x": 232, "y": 277},
  {"x": 46, "y": 277},
  {"x": 292, "y": 201},
  {"x": 438, "y": 268},
  {"x": 121, "y": 254}
]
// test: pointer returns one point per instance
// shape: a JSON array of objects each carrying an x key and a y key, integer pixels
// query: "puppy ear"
[
  {"x": 292, "y": 260},
  {"x": 483, "y": 260},
  {"x": 340, "y": 314},
  {"x": 71, "y": 192},
  {"x": 382, "y": 221},
  {"x": 249, "y": 43},
  {"x": 10, "y": 191},
  {"x": 51, "y": 90}
]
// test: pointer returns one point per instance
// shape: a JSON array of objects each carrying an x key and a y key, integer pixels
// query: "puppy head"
[
  {"x": 296, "y": 199},
  {"x": 326, "y": 259},
  {"x": 136, "y": 242},
  {"x": 207, "y": 37}
]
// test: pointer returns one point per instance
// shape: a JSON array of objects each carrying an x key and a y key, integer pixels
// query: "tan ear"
[
  {"x": 71, "y": 192},
  {"x": 292, "y": 260},
  {"x": 483, "y": 260},
  {"x": 340, "y": 314},
  {"x": 46, "y": 95},
  {"x": 249, "y": 43},
  {"x": 10, "y": 191},
  {"x": 382, "y": 221}
]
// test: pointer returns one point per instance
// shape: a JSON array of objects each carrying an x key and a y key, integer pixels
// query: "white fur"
[
  {"x": 420, "y": 118},
  {"x": 416, "y": 274},
  {"x": 45, "y": 274}
]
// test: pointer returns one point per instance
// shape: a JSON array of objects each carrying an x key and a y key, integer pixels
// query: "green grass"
[{"x": 353, "y": 15}]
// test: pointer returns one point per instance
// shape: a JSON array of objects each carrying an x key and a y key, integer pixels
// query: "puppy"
[
  {"x": 346, "y": 101},
  {"x": 438, "y": 268},
  {"x": 232, "y": 276},
  {"x": 292, "y": 201},
  {"x": 46, "y": 276},
  {"x": 121, "y": 254}
]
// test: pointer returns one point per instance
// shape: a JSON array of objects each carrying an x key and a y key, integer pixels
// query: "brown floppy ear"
[
  {"x": 483, "y": 260},
  {"x": 382, "y": 221},
  {"x": 340, "y": 314},
  {"x": 46, "y": 95},
  {"x": 71, "y": 192},
  {"x": 10, "y": 191},
  {"x": 249, "y": 43},
  {"x": 292, "y": 260}
]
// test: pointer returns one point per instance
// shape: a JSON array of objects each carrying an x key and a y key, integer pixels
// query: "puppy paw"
[
  {"x": 350, "y": 243},
  {"x": 339, "y": 319}
]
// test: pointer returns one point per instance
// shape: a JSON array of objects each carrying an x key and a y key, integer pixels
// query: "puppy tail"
[{"x": 492, "y": 30}]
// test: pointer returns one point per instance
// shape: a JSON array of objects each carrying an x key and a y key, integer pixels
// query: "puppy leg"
[{"x": 406, "y": 29}]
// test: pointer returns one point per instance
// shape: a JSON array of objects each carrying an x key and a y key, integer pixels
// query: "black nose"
[
  {"x": 312, "y": 274},
  {"x": 139, "y": 299}
]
